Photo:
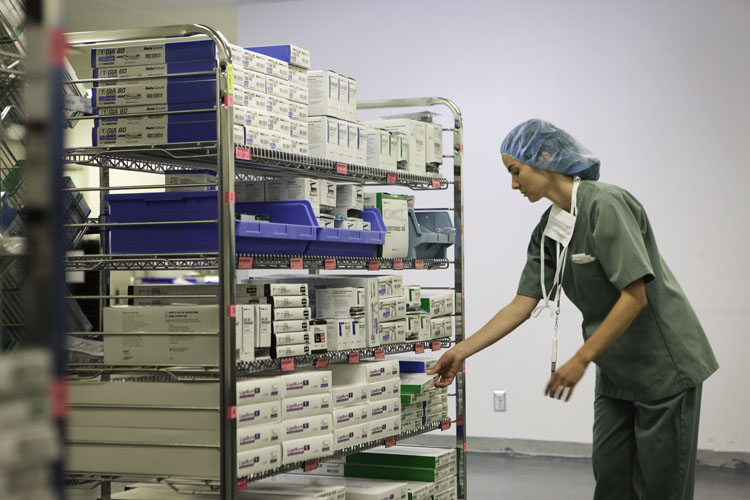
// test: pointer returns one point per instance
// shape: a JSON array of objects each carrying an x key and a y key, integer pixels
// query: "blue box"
[
  {"x": 287, "y": 53},
  {"x": 153, "y": 54},
  {"x": 155, "y": 70},
  {"x": 148, "y": 134},
  {"x": 154, "y": 93},
  {"x": 250, "y": 236},
  {"x": 412, "y": 366}
]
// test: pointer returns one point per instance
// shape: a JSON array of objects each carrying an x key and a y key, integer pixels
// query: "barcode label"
[
  {"x": 155, "y": 95},
  {"x": 153, "y": 55},
  {"x": 155, "y": 136}
]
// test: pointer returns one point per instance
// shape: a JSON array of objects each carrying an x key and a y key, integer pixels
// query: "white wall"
[{"x": 659, "y": 90}]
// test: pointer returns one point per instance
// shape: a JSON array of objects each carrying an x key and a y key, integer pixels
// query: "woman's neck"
[{"x": 560, "y": 191}]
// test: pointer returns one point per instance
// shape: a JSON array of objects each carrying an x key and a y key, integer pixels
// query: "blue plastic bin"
[
  {"x": 425, "y": 240},
  {"x": 250, "y": 236},
  {"x": 350, "y": 242}
]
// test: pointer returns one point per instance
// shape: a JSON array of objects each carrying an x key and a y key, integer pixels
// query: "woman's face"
[{"x": 531, "y": 182}]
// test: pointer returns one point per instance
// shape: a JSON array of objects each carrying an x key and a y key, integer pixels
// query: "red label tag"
[
  {"x": 241, "y": 484},
  {"x": 311, "y": 465},
  {"x": 464, "y": 447},
  {"x": 398, "y": 264},
  {"x": 459, "y": 420},
  {"x": 374, "y": 265},
  {"x": 379, "y": 353},
  {"x": 229, "y": 196},
  {"x": 436, "y": 346},
  {"x": 390, "y": 178},
  {"x": 463, "y": 294},
  {"x": 419, "y": 348},
  {"x": 462, "y": 148},
  {"x": 353, "y": 358},
  {"x": 321, "y": 362},
  {"x": 245, "y": 263},
  {"x": 342, "y": 168},
  {"x": 436, "y": 183},
  {"x": 329, "y": 264},
  {"x": 241, "y": 153},
  {"x": 296, "y": 263},
  {"x": 445, "y": 425},
  {"x": 232, "y": 412},
  {"x": 434, "y": 267},
  {"x": 287, "y": 365},
  {"x": 390, "y": 441},
  {"x": 228, "y": 100},
  {"x": 463, "y": 368},
  {"x": 419, "y": 264},
  {"x": 232, "y": 311},
  {"x": 59, "y": 398},
  {"x": 57, "y": 45},
  {"x": 458, "y": 185}
]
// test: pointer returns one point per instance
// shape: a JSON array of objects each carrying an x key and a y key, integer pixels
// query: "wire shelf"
[{"x": 248, "y": 162}]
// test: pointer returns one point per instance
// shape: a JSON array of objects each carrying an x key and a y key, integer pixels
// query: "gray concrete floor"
[{"x": 506, "y": 477}]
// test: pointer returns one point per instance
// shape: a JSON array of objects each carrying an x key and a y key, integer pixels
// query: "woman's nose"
[{"x": 514, "y": 184}]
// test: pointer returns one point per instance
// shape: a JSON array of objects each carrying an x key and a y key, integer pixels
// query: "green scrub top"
[{"x": 665, "y": 350}]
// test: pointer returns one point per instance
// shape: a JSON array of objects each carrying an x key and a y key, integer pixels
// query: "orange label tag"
[
  {"x": 296, "y": 263},
  {"x": 232, "y": 311},
  {"x": 232, "y": 412},
  {"x": 374, "y": 265},
  {"x": 287, "y": 365},
  {"x": 390, "y": 441},
  {"x": 353, "y": 358},
  {"x": 398, "y": 265},
  {"x": 245, "y": 263},
  {"x": 229, "y": 197},
  {"x": 419, "y": 264},
  {"x": 329, "y": 264},
  {"x": 342, "y": 168},
  {"x": 419, "y": 348},
  {"x": 228, "y": 100},
  {"x": 436, "y": 346},
  {"x": 445, "y": 425},
  {"x": 311, "y": 465},
  {"x": 241, "y": 484},
  {"x": 241, "y": 153},
  {"x": 436, "y": 183},
  {"x": 379, "y": 353},
  {"x": 321, "y": 362},
  {"x": 390, "y": 178},
  {"x": 59, "y": 398}
]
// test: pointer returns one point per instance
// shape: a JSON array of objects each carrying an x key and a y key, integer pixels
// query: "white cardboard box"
[
  {"x": 323, "y": 94},
  {"x": 298, "y": 75},
  {"x": 415, "y": 130},
  {"x": 385, "y": 409},
  {"x": 300, "y": 147},
  {"x": 386, "y": 389},
  {"x": 348, "y": 395},
  {"x": 392, "y": 308},
  {"x": 327, "y": 191},
  {"x": 391, "y": 285},
  {"x": 433, "y": 144},
  {"x": 277, "y": 87},
  {"x": 263, "y": 325},
  {"x": 395, "y": 212},
  {"x": 286, "y": 351},
  {"x": 338, "y": 302},
  {"x": 258, "y": 390},
  {"x": 259, "y": 413},
  {"x": 306, "y": 382},
  {"x": 359, "y": 334},
  {"x": 318, "y": 337},
  {"x": 345, "y": 437},
  {"x": 295, "y": 325},
  {"x": 291, "y": 313},
  {"x": 259, "y": 460},
  {"x": 351, "y": 415},
  {"x": 298, "y": 111},
  {"x": 350, "y": 196},
  {"x": 385, "y": 427},
  {"x": 157, "y": 349},
  {"x": 303, "y": 449},
  {"x": 366, "y": 372},
  {"x": 340, "y": 331},
  {"x": 245, "y": 331},
  {"x": 308, "y": 426},
  {"x": 302, "y": 406},
  {"x": 258, "y": 436},
  {"x": 298, "y": 93},
  {"x": 392, "y": 332},
  {"x": 323, "y": 137},
  {"x": 298, "y": 130},
  {"x": 291, "y": 338},
  {"x": 162, "y": 319},
  {"x": 175, "y": 179},
  {"x": 294, "y": 189}
]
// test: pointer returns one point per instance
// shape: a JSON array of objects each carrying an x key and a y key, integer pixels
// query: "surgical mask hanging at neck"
[{"x": 560, "y": 227}]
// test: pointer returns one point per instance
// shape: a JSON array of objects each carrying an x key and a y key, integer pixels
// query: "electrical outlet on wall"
[{"x": 498, "y": 399}]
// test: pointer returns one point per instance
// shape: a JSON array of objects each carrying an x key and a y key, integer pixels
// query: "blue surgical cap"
[{"x": 529, "y": 141}]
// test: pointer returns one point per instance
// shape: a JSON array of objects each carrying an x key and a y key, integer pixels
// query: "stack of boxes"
[
  {"x": 351, "y": 412},
  {"x": 423, "y": 404},
  {"x": 414, "y": 314},
  {"x": 436, "y": 466},
  {"x": 415, "y": 145},
  {"x": 117, "y": 100},
  {"x": 439, "y": 309},
  {"x": 383, "y": 387},
  {"x": 333, "y": 131},
  {"x": 290, "y": 320},
  {"x": 258, "y": 425},
  {"x": 343, "y": 309},
  {"x": 392, "y": 310},
  {"x": 30, "y": 442},
  {"x": 383, "y": 148},
  {"x": 356, "y": 488},
  {"x": 270, "y": 94}
]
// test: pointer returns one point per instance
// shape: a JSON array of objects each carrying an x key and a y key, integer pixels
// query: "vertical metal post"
[
  {"x": 458, "y": 268},
  {"x": 104, "y": 276},
  {"x": 44, "y": 202},
  {"x": 227, "y": 275}
]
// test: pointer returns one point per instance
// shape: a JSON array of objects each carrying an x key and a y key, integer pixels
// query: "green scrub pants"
[{"x": 646, "y": 450}]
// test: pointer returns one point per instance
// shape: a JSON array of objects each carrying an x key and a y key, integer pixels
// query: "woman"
[{"x": 651, "y": 353}]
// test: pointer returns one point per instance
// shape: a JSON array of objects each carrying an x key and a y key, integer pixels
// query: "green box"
[
  {"x": 395, "y": 211},
  {"x": 406, "y": 456}
]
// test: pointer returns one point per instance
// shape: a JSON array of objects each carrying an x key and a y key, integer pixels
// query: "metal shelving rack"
[{"x": 232, "y": 163}]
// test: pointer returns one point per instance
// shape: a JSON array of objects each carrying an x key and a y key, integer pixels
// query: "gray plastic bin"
[{"x": 430, "y": 234}]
